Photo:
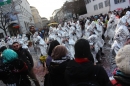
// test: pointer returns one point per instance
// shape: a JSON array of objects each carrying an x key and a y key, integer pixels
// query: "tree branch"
[{"x": 1, "y": 18}]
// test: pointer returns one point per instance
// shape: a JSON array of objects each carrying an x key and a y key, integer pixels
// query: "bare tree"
[
  {"x": 5, "y": 11},
  {"x": 4, "y": 21}
]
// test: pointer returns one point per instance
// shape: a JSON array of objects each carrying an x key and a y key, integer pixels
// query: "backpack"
[{"x": 88, "y": 83}]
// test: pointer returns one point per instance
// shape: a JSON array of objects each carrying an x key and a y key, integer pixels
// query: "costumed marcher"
[
  {"x": 78, "y": 30},
  {"x": 39, "y": 42},
  {"x": 111, "y": 26},
  {"x": 128, "y": 17},
  {"x": 52, "y": 32},
  {"x": 2, "y": 43},
  {"x": 93, "y": 41},
  {"x": 71, "y": 39},
  {"x": 121, "y": 36},
  {"x": 9, "y": 42}
]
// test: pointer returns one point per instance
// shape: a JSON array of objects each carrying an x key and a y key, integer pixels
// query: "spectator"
[
  {"x": 122, "y": 73},
  {"x": 58, "y": 66},
  {"x": 13, "y": 71},
  {"x": 25, "y": 56},
  {"x": 51, "y": 46},
  {"x": 83, "y": 70}
]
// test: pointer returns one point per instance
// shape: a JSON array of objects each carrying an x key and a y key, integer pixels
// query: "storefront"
[{"x": 13, "y": 29}]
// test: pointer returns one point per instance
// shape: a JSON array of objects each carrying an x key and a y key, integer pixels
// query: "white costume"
[
  {"x": 52, "y": 33},
  {"x": 128, "y": 16},
  {"x": 111, "y": 26},
  {"x": 120, "y": 37},
  {"x": 10, "y": 42},
  {"x": 2, "y": 43},
  {"x": 93, "y": 41},
  {"x": 78, "y": 30},
  {"x": 39, "y": 42},
  {"x": 87, "y": 24}
]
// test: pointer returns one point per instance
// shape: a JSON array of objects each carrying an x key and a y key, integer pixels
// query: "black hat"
[
  {"x": 82, "y": 49},
  {"x": 52, "y": 45},
  {"x": 3, "y": 48}
]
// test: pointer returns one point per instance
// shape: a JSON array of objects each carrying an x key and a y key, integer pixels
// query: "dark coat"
[
  {"x": 122, "y": 80},
  {"x": 25, "y": 56},
  {"x": 15, "y": 73},
  {"x": 56, "y": 75},
  {"x": 76, "y": 73}
]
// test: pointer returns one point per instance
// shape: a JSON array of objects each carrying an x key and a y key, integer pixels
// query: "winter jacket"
[
  {"x": 25, "y": 56},
  {"x": 56, "y": 74},
  {"x": 77, "y": 73},
  {"x": 14, "y": 73}
]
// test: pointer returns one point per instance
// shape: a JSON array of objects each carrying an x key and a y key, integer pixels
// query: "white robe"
[
  {"x": 116, "y": 46},
  {"x": 78, "y": 31},
  {"x": 93, "y": 40},
  {"x": 52, "y": 33},
  {"x": 42, "y": 45}
]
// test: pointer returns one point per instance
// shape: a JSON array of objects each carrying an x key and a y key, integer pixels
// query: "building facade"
[
  {"x": 60, "y": 15},
  {"x": 114, "y": 4},
  {"x": 44, "y": 21},
  {"x": 54, "y": 15},
  {"x": 95, "y": 7},
  {"x": 20, "y": 17},
  {"x": 36, "y": 17},
  {"x": 25, "y": 17}
]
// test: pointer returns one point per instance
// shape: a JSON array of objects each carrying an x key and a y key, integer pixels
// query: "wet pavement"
[{"x": 108, "y": 62}]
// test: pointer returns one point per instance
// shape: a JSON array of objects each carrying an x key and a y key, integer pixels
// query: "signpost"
[{"x": 4, "y": 2}]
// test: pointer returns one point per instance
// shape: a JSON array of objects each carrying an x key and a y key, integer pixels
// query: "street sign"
[{"x": 4, "y": 2}]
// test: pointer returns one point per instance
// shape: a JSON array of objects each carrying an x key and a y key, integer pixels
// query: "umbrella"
[
  {"x": 52, "y": 24},
  {"x": 119, "y": 9}
]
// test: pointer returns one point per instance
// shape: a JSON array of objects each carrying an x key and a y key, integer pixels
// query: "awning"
[{"x": 16, "y": 26}]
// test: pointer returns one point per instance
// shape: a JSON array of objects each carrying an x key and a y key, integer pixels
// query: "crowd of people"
[{"x": 73, "y": 50}]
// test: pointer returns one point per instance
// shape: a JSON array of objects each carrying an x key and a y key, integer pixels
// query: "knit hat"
[
  {"x": 9, "y": 56},
  {"x": 3, "y": 48},
  {"x": 123, "y": 59},
  {"x": 82, "y": 49}
]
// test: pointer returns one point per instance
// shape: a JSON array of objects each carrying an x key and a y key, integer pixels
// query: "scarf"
[
  {"x": 81, "y": 60},
  {"x": 121, "y": 77},
  {"x": 61, "y": 60}
]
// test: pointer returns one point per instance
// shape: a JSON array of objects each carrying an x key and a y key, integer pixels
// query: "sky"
[{"x": 46, "y": 7}]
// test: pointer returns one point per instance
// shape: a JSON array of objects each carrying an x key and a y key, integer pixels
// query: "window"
[
  {"x": 87, "y": 1},
  {"x": 106, "y": 3},
  {"x": 119, "y": 1},
  {"x": 100, "y": 5},
  {"x": 95, "y": 7},
  {"x": 1, "y": 35}
]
